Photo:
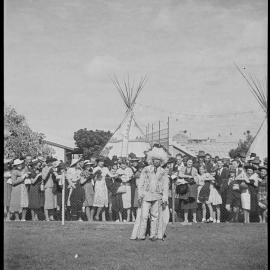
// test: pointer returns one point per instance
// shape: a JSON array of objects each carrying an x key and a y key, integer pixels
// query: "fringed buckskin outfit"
[{"x": 153, "y": 188}]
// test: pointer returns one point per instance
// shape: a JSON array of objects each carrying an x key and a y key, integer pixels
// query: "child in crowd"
[
  {"x": 204, "y": 193},
  {"x": 233, "y": 196}
]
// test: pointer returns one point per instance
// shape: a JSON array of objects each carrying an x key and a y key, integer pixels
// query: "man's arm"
[
  {"x": 140, "y": 183},
  {"x": 165, "y": 193}
]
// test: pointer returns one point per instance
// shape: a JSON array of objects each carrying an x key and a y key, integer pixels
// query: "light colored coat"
[{"x": 153, "y": 186}]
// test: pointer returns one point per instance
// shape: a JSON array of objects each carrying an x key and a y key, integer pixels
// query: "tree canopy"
[
  {"x": 243, "y": 145},
  {"x": 91, "y": 142},
  {"x": 19, "y": 139}
]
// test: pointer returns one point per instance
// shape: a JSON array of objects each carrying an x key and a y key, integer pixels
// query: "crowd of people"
[{"x": 204, "y": 189}]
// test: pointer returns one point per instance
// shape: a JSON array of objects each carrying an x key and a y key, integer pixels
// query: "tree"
[
  {"x": 19, "y": 139},
  {"x": 243, "y": 145},
  {"x": 91, "y": 142}
]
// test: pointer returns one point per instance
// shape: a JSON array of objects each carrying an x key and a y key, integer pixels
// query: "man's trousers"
[{"x": 153, "y": 208}]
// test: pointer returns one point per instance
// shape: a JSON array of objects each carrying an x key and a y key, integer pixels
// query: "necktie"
[{"x": 155, "y": 170}]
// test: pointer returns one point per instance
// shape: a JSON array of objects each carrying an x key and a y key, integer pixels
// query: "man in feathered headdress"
[{"x": 153, "y": 188}]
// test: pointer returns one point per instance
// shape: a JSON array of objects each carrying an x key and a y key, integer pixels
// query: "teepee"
[
  {"x": 259, "y": 91},
  {"x": 128, "y": 137}
]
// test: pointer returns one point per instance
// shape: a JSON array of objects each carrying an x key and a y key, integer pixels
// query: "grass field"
[{"x": 42, "y": 245}]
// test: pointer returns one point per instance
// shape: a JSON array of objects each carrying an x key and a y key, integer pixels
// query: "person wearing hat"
[
  {"x": 208, "y": 163},
  {"x": 153, "y": 188},
  {"x": 188, "y": 201},
  {"x": 19, "y": 194},
  {"x": 203, "y": 180},
  {"x": 262, "y": 194},
  {"x": 125, "y": 174},
  {"x": 236, "y": 166},
  {"x": 256, "y": 161},
  {"x": 221, "y": 184},
  {"x": 134, "y": 165},
  {"x": 199, "y": 160},
  {"x": 242, "y": 158},
  {"x": 36, "y": 196},
  {"x": 76, "y": 192},
  {"x": 7, "y": 187},
  {"x": 233, "y": 196},
  {"x": 177, "y": 164},
  {"x": 50, "y": 198},
  {"x": 101, "y": 200},
  {"x": 243, "y": 181},
  {"x": 114, "y": 186},
  {"x": 87, "y": 183},
  {"x": 252, "y": 184}
]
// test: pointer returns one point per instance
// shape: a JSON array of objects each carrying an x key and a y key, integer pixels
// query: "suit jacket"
[{"x": 221, "y": 181}]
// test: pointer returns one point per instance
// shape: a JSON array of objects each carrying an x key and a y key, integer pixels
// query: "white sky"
[{"x": 59, "y": 56}]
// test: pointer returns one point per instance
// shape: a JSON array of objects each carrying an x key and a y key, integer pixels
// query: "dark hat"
[
  {"x": 252, "y": 155},
  {"x": 262, "y": 168},
  {"x": 249, "y": 166},
  {"x": 61, "y": 166},
  {"x": 171, "y": 160},
  {"x": 256, "y": 160},
  {"x": 201, "y": 154},
  {"x": 50, "y": 159}
]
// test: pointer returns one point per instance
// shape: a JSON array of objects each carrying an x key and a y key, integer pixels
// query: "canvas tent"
[
  {"x": 259, "y": 91},
  {"x": 128, "y": 137}
]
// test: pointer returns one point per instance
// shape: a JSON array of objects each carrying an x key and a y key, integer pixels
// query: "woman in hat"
[
  {"x": 245, "y": 194},
  {"x": 253, "y": 181},
  {"x": 59, "y": 169},
  {"x": 76, "y": 194},
  {"x": 262, "y": 194},
  {"x": 125, "y": 174},
  {"x": 87, "y": 183},
  {"x": 36, "y": 196},
  {"x": 19, "y": 194},
  {"x": 7, "y": 188},
  {"x": 48, "y": 181},
  {"x": 188, "y": 201},
  {"x": 101, "y": 192}
]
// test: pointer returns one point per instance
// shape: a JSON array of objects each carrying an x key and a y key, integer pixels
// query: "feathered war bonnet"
[{"x": 157, "y": 153}]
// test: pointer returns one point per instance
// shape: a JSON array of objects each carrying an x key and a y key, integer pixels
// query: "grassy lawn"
[{"x": 42, "y": 245}]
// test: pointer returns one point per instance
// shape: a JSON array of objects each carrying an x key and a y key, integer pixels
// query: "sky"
[{"x": 59, "y": 57}]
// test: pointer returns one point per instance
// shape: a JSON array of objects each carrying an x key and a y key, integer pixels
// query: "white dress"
[
  {"x": 245, "y": 199},
  {"x": 101, "y": 191},
  {"x": 200, "y": 182},
  {"x": 214, "y": 196},
  {"x": 126, "y": 197}
]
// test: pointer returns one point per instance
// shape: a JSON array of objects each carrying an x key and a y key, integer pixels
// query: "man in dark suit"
[
  {"x": 208, "y": 163},
  {"x": 221, "y": 184}
]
